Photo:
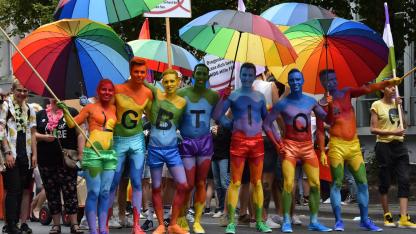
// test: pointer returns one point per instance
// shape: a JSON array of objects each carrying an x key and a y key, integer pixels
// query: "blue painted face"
[
  {"x": 247, "y": 77},
  {"x": 295, "y": 81}
]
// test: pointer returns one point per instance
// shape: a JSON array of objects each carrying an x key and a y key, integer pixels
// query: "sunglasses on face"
[{"x": 22, "y": 90}]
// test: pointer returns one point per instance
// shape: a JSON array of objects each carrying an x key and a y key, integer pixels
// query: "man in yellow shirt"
[{"x": 391, "y": 155}]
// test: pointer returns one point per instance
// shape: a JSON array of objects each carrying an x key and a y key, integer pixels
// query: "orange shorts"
[
  {"x": 246, "y": 147},
  {"x": 296, "y": 150}
]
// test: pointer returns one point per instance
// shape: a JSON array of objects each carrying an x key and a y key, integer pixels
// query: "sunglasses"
[{"x": 22, "y": 90}]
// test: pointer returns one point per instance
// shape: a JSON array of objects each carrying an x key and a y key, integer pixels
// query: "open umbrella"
[
  {"x": 292, "y": 13},
  {"x": 104, "y": 11},
  {"x": 72, "y": 56},
  {"x": 239, "y": 36},
  {"x": 355, "y": 51},
  {"x": 155, "y": 53}
]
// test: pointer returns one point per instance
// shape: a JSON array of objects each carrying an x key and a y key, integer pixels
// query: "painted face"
[
  {"x": 295, "y": 81},
  {"x": 138, "y": 74},
  {"x": 105, "y": 92},
  {"x": 247, "y": 77},
  {"x": 331, "y": 82},
  {"x": 20, "y": 93},
  {"x": 170, "y": 83},
  {"x": 201, "y": 76}
]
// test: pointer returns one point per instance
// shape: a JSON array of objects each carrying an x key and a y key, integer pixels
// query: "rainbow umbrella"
[
  {"x": 104, "y": 11},
  {"x": 239, "y": 36},
  {"x": 355, "y": 51},
  {"x": 72, "y": 56},
  {"x": 292, "y": 13},
  {"x": 155, "y": 53}
]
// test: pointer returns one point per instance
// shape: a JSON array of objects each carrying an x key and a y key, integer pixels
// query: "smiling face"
[
  {"x": 105, "y": 91},
  {"x": 20, "y": 93},
  {"x": 137, "y": 74},
  {"x": 201, "y": 76},
  {"x": 247, "y": 77},
  {"x": 295, "y": 81},
  {"x": 170, "y": 83}
]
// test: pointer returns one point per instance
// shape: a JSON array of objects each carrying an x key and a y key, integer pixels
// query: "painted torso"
[
  {"x": 199, "y": 107},
  {"x": 248, "y": 109},
  {"x": 165, "y": 116},
  {"x": 130, "y": 108}
]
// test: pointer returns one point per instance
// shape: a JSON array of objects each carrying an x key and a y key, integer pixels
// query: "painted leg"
[
  {"x": 288, "y": 170},
  {"x": 93, "y": 179},
  {"x": 337, "y": 172},
  {"x": 103, "y": 199},
  {"x": 136, "y": 172},
  {"x": 189, "y": 164},
  {"x": 156, "y": 174},
  {"x": 178, "y": 174},
  {"x": 203, "y": 167},
  {"x": 116, "y": 181}
]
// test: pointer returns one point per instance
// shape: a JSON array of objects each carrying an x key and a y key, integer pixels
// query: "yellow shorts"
[{"x": 341, "y": 150}]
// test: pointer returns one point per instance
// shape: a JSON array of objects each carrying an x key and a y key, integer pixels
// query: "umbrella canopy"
[
  {"x": 72, "y": 56},
  {"x": 292, "y": 13},
  {"x": 239, "y": 36},
  {"x": 355, "y": 51},
  {"x": 104, "y": 11},
  {"x": 155, "y": 53}
]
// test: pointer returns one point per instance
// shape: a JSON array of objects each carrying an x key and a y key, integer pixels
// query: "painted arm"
[
  {"x": 366, "y": 89},
  {"x": 270, "y": 130},
  {"x": 219, "y": 113},
  {"x": 151, "y": 87},
  {"x": 79, "y": 119},
  {"x": 320, "y": 113},
  {"x": 381, "y": 132},
  {"x": 320, "y": 138}
]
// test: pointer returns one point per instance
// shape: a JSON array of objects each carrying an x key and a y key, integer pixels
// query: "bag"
[{"x": 70, "y": 156}]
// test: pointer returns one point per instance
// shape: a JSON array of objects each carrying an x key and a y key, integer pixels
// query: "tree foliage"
[{"x": 27, "y": 15}]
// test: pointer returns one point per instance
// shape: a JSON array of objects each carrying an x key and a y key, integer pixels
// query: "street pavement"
[{"x": 349, "y": 213}]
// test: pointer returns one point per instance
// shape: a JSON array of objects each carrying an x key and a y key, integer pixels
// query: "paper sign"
[{"x": 172, "y": 9}]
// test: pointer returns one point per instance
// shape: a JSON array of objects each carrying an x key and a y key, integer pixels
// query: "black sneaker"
[
  {"x": 4, "y": 229},
  {"x": 166, "y": 222},
  {"x": 148, "y": 225},
  {"x": 207, "y": 211},
  {"x": 13, "y": 229},
  {"x": 25, "y": 229}
]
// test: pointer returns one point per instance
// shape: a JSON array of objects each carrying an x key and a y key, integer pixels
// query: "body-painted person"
[
  {"x": 165, "y": 116},
  {"x": 197, "y": 145},
  {"x": 249, "y": 109},
  {"x": 295, "y": 109},
  {"x": 344, "y": 145},
  {"x": 132, "y": 98},
  {"x": 99, "y": 169}
]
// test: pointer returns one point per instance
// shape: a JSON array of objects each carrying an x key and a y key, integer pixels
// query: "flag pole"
[
  {"x": 168, "y": 42},
  {"x": 47, "y": 86},
  {"x": 392, "y": 60}
]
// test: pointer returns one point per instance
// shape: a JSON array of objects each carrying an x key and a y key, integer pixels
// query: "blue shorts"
[
  {"x": 157, "y": 156},
  {"x": 130, "y": 146}
]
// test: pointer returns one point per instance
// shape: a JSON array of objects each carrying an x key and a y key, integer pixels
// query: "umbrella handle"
[{"x": 47, "y": 87}]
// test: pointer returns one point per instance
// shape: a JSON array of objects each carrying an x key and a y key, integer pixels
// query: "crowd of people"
[{"x": 168, "y": 150}]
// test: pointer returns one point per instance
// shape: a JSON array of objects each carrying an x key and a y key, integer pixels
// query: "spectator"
[
  {"x": 53, "y": 135},
  {"x": 19, "y": 121}
]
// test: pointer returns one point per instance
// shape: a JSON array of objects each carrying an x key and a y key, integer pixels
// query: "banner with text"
[
  {"x": 219, "y": 71},
  {"x": 172, "y": 9}
]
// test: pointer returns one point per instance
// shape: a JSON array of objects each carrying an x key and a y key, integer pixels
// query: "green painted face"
[{"x": 201, "y": 76}]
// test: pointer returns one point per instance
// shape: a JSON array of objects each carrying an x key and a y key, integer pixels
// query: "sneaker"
[
  {"x": 207, "y": 211},
  {"x": 4, "y": 229},
  {"x": 388, "y": 220},
  {"x": 24, "y": 228},
  {"x": 230, "y": 228},
  {"x": 262, "y": 227},
  {"x": 183, "y": 223},
  {"x": 327, "y": 201},
  {"x": 244, "y": 219},
  {"x": 148, "y": 226},
  {"x": 287, "y": 227},
  {"x": 339, "y": 226},
  {"x": 271, "y": 223},
  {"x": 296, "y": 220},
  {"x": 277, "y": 219},
  {"x": 190, "y": 217},
  {"x": 253, "y": 223},
  {"x": 175, "y": 229},
  {"x": 217, "y": 214},
  {"x": 83, "y": 225},
  {"x": 166, "y": 222},
  {"x": 113, "y": 224},
  {"x": 406, "y": 222},
  {"x": 350, "y": 199},
  {"x": 137, "y": 230},
  {"x": 197, "y": 228},
  {"x": 12, "y": 229},
  {"x": 161, "y": 229},
  {"x": 318, "y": 227},
  {"x": 370, "y": 226},
  {"x": 223, "y": 220}
]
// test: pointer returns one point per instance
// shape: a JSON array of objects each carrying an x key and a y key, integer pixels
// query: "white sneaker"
[
  {"x": 190, "y": 217},
  {"x": 277, "y": 219},
  {"x": 271, "y": 223},
  {"x": 217, "y": 214},
  {"x": 296, "y": 220},
  {"x": 83, "y": 225},
  {"x": 327, "y": 201},
  {"x": 252, "y": 224},
  {"x": 113, "y": 224}
]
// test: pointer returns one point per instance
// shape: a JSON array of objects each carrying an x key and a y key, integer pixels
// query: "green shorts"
[{"x": 106, "y": 161}]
